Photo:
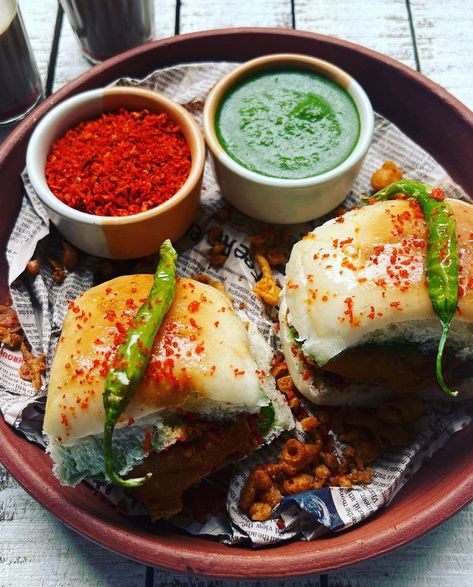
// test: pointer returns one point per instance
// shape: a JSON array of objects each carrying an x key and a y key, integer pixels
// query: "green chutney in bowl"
[
  {"x": 290, "y": 124},
  {"x": 287, "y": 134}
]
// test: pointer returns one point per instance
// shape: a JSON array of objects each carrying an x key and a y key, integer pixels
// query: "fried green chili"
[
  {"x": 132, "y": 356},
  {"x": 442, "y": 267}
]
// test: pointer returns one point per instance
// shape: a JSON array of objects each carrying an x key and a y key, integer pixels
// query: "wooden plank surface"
[
  {"x": 443, "y": 32},
  {"x": 378, "y": 24},
  {"x": 212, "y": 14},
  {"x": 35, "y": 548}
]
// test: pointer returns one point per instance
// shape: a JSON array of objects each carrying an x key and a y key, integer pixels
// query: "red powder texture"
[{"x": 119, "y": 164}]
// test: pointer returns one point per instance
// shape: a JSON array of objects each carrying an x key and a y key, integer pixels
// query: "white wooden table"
[{"x": 432, "y": 36}]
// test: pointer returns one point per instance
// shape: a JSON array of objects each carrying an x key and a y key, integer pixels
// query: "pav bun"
[{"x": 356, "y": 318}]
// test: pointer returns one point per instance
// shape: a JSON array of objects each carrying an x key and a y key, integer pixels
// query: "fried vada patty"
[{"x": 176, "y": 469}]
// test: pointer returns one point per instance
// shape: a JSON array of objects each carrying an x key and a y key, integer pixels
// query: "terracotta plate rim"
[{"x": 199, "y": 556}]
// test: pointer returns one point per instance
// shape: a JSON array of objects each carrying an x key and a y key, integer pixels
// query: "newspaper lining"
[{"x": 41, "y": 305}]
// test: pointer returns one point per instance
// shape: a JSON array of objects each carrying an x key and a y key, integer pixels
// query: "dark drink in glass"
[
  {"x": 107, "y": 27},
  {"x": 20, "y": 83}
]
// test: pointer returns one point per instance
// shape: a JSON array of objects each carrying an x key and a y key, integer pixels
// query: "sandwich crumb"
[
  {"x": 385, "y": 175},
  {"x": 266, "y": 288},
  {"x": 33, "y": 367},
  {"x": 33, "y": 267},
  {"x": 10, "y": 330}
]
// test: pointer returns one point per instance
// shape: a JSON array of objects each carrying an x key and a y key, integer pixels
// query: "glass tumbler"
[
  {"x": 107, "y": 27},
  {"x": 20, "y": 84}
]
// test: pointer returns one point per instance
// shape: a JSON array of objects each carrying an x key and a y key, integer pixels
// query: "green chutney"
[{"x": 289, "y": 124}]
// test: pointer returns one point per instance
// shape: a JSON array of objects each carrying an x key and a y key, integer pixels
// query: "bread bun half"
[
  {"x": 200, "y": 362},
  {"x": 356, "y": 317}
]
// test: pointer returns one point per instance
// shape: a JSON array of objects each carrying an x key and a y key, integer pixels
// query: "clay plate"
[{"x": 432, "y": 118}]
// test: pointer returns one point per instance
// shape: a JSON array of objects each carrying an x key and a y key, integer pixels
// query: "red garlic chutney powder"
[{"x": 119, "y": 164}]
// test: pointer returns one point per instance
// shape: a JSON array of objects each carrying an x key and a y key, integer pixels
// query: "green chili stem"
[
  {"x": 442, "y": 265},
  {"x": 114, "y": 477},
  {"x": 132, "y": 356},
  {"x": 438, "y": 363}
]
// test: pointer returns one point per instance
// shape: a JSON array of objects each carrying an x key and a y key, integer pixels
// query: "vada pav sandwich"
[
  {"x": 203, "y": 398},
  {"x": 371, "y": 298}
]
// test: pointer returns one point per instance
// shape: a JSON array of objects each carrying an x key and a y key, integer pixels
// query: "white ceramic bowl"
[
  {"x": 124, "y": 237},
  {"x": 286, "y": 201}
]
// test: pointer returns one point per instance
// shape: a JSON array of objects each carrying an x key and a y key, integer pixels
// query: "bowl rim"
[
  {"x": 62, "y": 110},
  {"x": 271, "y": 62}
]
